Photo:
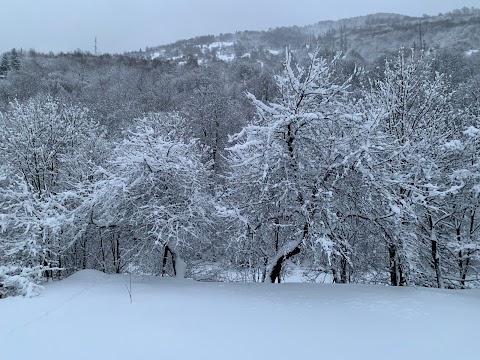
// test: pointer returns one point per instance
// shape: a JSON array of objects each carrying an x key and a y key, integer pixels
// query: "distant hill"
[{"x": 363, "y": 38}]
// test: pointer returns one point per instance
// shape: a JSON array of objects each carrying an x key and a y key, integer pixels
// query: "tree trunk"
[
  {"x": 264, "y": 271},
  {"x": 165, "y": 258},
  {"x": 463, "y": 275},
  {"x": 178, "y": 265},
  {"x": 397, "y": 277},
  {"x": 435, "y": 254},
  {"x": 104, "y": 259},
  {"x": 59, "y": 272},
  {"x": 84, "y": 254},
  {"x": 277, "y": 268},
  {"x": 392, "y": 252},
  {"x": 116, "y": 253},
  {"x": 461, "y": 262},
  {"x": 335, "y": 275},
  {"x": 344, "y": 271},
  {"x": 436, "y": 263}
]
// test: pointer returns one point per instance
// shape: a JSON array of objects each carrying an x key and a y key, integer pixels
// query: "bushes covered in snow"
[{"x": 15, "y": 280}]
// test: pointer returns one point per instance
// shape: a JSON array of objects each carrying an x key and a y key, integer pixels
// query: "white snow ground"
[{"x": 89, "y": 316}]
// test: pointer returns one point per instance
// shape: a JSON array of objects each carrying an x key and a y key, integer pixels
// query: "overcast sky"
[{"x": 124, "y": 25}]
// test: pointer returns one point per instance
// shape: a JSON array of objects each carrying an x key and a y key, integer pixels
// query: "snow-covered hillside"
[
  {"x": 362, "y": 38},
  {"x": 89, "y": 316}
]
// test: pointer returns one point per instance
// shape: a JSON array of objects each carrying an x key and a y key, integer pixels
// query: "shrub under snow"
[{"x": 18, "y": 281}]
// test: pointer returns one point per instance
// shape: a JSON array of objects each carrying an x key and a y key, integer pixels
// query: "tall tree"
[
  {"x": 159, "y": 187},
  {"x": 284, "y": 166},
  {"x": 14, "y": 60},
  {"x": 408, "y": 115},
  {"x": 44, "y": 144},
  {"x": 4, "y": 65}
]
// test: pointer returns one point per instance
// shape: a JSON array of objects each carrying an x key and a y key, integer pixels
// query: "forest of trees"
[{"x": 240, "y": 170}]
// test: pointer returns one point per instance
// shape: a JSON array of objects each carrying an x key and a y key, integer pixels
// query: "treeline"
[{"x": 128, "y": 165}]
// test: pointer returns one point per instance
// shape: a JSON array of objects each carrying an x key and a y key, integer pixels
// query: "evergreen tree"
[
  {"x": 4, "y": 65},
  {"x": 14, "y": 60}
]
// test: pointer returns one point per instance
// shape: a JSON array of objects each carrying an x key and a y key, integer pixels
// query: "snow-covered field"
[{"x": 89, "y": 316}]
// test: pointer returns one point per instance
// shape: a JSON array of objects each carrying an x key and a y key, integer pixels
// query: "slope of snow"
[
  {"x": 220, "y": 44},
  {"x": 273, "y": 52},
  {"x": 226, "y": 57},
  {"x": 89, "y": 316}
]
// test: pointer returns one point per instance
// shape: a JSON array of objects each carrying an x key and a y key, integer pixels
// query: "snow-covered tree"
[
  {"x": 159, "y": 185},
  {"x": 44, "y": 146},
  {"x": 408, "y": 115},
  {"x": 284, "y": 167},
  {"x": 462, "y": 172},
  {"x": 14, "y": 59},
  {"x": 4, "y": 65}
]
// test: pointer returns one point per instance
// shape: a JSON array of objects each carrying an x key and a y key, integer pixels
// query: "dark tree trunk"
[
  {"x": 116, "y": 253},
  {"x": 392, "y": 252},
  {"x": 167, "y": 251},
  {"x": 335, "y": 275},
  {"x": 46, "y": 273},
  {"x": 174, "y": 264},
  {"x": 164, "y": 261},
  {"x": 463, "y": 276},
  {"x": 436, "y": 264},
  {"x": 464, "y": 257},
  {"x": 435, "y": 254},
  {"x": 461, "y": 261},
  {"x": 397, "y": 277},
  {"x": 59, "y": 272},
  {"x": 344, "y": 272},
  {"x": 277, "y": 268},
  {"x": 84, "y": 254},
  {"x": 104, "y": 258}
]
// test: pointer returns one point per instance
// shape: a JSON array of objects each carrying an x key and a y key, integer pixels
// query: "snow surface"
[
  {"x": 226, "y": 57},
  {"x": 454, "y": 145},
  {"x": 273, "y": 52},
  {"x": 89, "y": 316},
  {"x": 471, "y": 52},
  {"x": 220, "y": 44},
  {"x": 471, "y": 131}
]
